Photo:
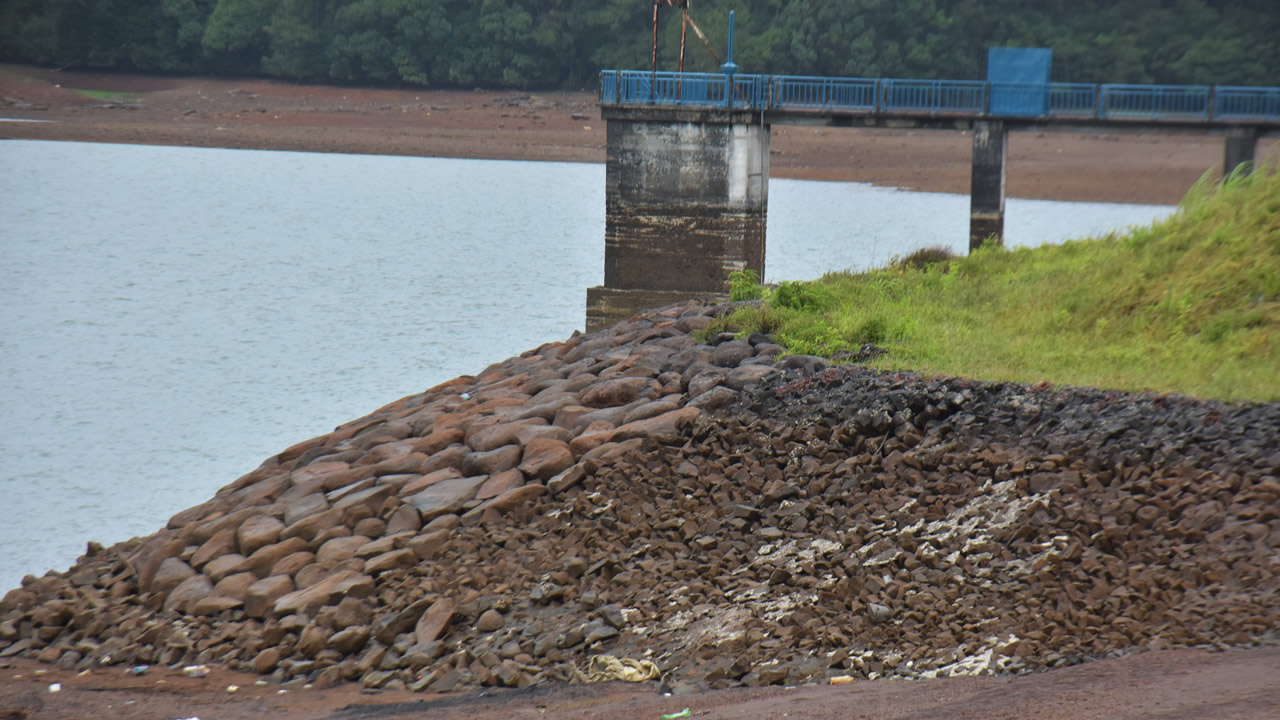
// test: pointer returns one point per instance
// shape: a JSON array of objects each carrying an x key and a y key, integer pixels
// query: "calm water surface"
[{"x": 173, "y": 316}]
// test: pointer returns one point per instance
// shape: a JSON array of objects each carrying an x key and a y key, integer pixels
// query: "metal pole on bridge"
[{"x": 729, "y": 68}]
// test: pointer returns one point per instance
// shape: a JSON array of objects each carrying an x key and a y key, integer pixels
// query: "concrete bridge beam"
[
  {"x": 986, "y": 192},
  {"x": 1241, "y": 146}
]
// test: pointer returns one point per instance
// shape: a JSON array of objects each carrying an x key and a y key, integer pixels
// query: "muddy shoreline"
[{"x": 562, "y": 127}]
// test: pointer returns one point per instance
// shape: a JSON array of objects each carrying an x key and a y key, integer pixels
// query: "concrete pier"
[
  {"x": 686, "y": 202},
  {"x": 1241, "y": 146},
  {"x": 986, "y": 193}
]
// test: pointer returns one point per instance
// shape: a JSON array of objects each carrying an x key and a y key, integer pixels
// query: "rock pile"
[{"x": 735, "y": 517}]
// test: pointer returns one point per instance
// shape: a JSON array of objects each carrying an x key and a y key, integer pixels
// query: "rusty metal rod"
[
  {"x": 653, "y": 72},
  {"x": 684, "y": 26},
  {"x": 697, "y": 30}
]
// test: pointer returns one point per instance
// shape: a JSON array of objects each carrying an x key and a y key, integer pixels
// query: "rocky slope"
[{"x": 732, "y": 517}]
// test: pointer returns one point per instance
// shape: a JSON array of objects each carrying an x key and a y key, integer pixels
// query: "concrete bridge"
[{"x": 687, "y": 168}]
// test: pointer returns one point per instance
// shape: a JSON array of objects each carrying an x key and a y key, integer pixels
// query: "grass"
[
  {"x": 1190, "y": 305},
  {"x": 106, "y": 95}
]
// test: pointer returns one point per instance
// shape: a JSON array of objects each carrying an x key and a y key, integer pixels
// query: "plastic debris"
[
  {"x": 841, "y": 679},
  {"x": 682, "y": 714},
  {"x": 55, "y": 687},
  {"x": 465, "y": 396},
  {"x": 604, "y": 668},
  {"x": 195, "y": 671},
  {"x": 232, "y": 688},
  {"x": 139, "y": 669},
  {"x": 84, "y": 673}
]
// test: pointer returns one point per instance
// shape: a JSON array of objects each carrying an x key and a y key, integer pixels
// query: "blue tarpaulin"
[{"x": 1019, "y": 80}]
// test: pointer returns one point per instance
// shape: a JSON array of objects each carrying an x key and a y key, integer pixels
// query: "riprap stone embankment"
[{"x": 733, "y": 516}]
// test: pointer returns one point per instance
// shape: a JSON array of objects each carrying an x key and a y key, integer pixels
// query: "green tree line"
[{"x": 565, "y": 43}]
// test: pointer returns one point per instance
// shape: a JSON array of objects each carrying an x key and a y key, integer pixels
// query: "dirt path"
[
  {"x": 1190, "y": 684},
  {"x": 257, "y": 114}
]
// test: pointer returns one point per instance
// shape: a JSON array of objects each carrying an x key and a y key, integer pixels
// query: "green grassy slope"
[{"x": 1188, "y": 305}]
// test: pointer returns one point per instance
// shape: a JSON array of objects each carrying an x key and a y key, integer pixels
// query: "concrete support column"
[
  {"x": 1241, "y": 145},
  {"x": 686, "y": 200},
  {"x": 986, "y": 193}
]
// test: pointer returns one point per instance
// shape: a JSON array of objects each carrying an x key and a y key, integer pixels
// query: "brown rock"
[
  {"x": 371, "y": 527},
  {"x": 666, "y": 428},
  {"x": 235, "y": 586},
  {"x": 746, "y": 376},
  {"x": 311, "y": 526},
  {"x": 569, "y": 415},
  {"x": 490, "y": 620},
  {"x": 532, "y": 431},
  {"x": 350, "y": 612},
  {"x": 493, "y": 461},
  {"x": 350, "y": 640},
  {"x": 404, "y": 519},
  {"x": 434, "y": 621},
  {"x": 492, "y": 437},
  {"x": 305, "y": 506},
  {"x": 314, "y": 638},
  {"x": 222, "y": 543},
  {"x": 309, "y": 600},
  {"x": 500, "y": 483},
  {"x": 291, "y": 564},
  {"x": 450, "y": 457},
  {"x": 422, "y": 483},
  {"x": 190, "y": 591},
  {"x": 446, "y": 496},
  {"x": 651, "y": 409},
  {"x": 620, "y": 391},
  {"x": 566, "y": 479},
  {"x": 172, "y": 572},
  {"x": 265, "y": 558},
  {"x": 592, "y": 436},
  {"x": 516, "y": 497},
  {"x": 258, "y": 531},
  {"x": 371, "y": 497},
  {"x": 394, "y": 625},
  {"x": 544, "y": 458},
  {"x": 340, "y": 548},
  {"x": 226, "y": 565},
  {"x": 393, "y": 560},
  {"x": 429, "y": 544},
  {"x": 214, "y": 604},
  {"x": 438, "y": 440},
  {"x": 266, "y": 661},
  {"x": 261, "y": 595}
]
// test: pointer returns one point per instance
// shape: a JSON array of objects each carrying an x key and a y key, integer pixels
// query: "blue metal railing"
[{"x": 935, "y": 97}]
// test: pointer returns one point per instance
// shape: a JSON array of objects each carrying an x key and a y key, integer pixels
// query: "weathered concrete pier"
[
  {"x": 687, "y": 170},
  {"x": 685, "y": 205}
]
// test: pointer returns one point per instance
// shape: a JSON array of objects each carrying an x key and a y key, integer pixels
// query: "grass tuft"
[{"x": 1190, "y": 304}]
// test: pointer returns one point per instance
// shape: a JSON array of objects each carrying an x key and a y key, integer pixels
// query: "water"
[{"x": 174, "y": 316}]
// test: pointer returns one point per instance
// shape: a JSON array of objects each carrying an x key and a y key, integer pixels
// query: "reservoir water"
[{"x": 173, "y": 316}]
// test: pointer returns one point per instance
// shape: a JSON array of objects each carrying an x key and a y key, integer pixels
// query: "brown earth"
[
  {"x": 1182, "y": 684},
  {"x": 560, "y": 126}
]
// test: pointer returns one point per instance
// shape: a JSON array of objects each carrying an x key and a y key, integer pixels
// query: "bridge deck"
[{"x": 887, "y": 101}]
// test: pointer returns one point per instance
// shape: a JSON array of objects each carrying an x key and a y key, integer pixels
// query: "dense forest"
[{"x": 565, "y": 43}]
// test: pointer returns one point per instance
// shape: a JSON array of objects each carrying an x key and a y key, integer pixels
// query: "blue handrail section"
[
  {"x": 933, "y": 96},
  {"x": 940, "y": 97},
  {"x": 1232, "y": 103}
]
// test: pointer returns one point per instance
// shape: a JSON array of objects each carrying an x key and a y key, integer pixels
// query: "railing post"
[
  {"x": 1097, "y": 101},
  {"x": 1211, "y": 102}
]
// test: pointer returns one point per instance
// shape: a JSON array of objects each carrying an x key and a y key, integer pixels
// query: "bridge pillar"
[
  {"x": 1241, "y": 145},
  {"x": 686, "y": 199},
  {"x": 986, "y": 192}
]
